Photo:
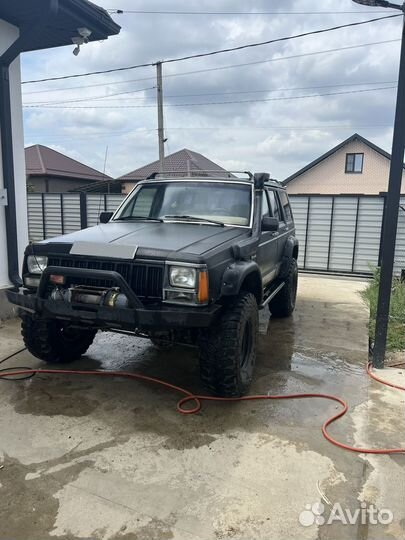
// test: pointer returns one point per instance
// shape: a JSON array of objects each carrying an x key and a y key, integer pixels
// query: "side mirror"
[
  {"x": 105, "y": 217},
  {"x": 269, "y": 224}
]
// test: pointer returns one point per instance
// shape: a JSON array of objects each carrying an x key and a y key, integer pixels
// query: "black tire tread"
[
  {"x": 44, "y": 340},
  {"x": 219, "y": 364},
  {"x": 283, "y": 304}
]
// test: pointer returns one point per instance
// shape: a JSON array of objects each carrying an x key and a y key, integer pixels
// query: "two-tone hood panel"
[{"x": 154, "y": 240}]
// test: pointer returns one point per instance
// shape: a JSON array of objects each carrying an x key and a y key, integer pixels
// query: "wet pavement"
[{"x": 96, "y": 458}]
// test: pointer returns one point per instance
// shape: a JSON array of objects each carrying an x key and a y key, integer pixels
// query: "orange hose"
[{"x": 198, "y": 399}]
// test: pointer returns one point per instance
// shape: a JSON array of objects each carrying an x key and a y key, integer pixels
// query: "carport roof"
[{"x": 53, "y": 23}]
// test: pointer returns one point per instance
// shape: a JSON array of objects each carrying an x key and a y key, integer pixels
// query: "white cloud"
[{"x": 234, "y": 137}]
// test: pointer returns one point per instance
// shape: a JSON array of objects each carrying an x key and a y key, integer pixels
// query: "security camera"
[
  {"x": 76, "y": 50},
  {"x": 85, "y": 33}
]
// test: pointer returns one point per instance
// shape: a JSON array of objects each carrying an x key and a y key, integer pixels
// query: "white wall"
[{"x": 8, "y": 34}]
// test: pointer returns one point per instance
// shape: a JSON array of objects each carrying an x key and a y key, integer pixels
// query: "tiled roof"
[
  {"x": 179, "y": 162},
  {"x": 43, "y": 161}
]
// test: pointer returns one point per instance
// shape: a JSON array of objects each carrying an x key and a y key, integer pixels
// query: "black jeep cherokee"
[{"x": 187, "y": 260}]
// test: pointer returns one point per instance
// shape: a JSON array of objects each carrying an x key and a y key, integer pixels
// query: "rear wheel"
[
  {"x": 228, "y": 351},
  {"x": 283, "y": 304},
  {"x": 55, "y": 341}
]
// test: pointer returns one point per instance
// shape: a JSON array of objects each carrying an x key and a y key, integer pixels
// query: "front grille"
[{"x": 146, "y": 280}]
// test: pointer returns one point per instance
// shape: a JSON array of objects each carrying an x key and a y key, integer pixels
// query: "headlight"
[
  {"x": 36, "y": 263},
  {"x": 182, "y": 276}
]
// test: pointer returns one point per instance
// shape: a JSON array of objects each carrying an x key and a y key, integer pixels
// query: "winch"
[{"x": 82, "y": 294}]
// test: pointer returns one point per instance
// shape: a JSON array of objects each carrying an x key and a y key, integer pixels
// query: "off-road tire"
[
  {"x": 53, "y": 341},
  {"x": 228, "y": 350},
  {"x": 283, "y": 304}
]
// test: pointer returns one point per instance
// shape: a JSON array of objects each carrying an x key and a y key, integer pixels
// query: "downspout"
[{"x": 7, "y": 153}]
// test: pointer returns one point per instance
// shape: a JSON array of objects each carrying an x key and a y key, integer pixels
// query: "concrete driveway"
[{"x": 94, "y": 458}]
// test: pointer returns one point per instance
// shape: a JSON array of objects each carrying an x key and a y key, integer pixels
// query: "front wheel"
[
  {"x": 283, "y": 304},
  {"x": 228, "y": 351},
  {"x": 55, "y": 341}
]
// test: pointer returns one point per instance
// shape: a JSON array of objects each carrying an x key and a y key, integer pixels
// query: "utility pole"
[
  {"x": 389, "y": 232},
  {"x": 161, "y": 134}
]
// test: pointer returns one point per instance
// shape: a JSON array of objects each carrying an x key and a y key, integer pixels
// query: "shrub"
[{"x": 396, "y": 327}]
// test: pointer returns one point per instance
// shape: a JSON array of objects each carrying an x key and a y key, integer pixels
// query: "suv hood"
[{"x": 156, "y": 240}]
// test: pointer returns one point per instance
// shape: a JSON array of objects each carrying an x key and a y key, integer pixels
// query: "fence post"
[
  {"x": 83, "y": 210},
  {"x": 306, "y": 232},
  {"x": 43, "y": 215}
]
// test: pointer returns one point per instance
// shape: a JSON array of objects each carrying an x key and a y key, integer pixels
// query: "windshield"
[{"x": 223, "y": 203}]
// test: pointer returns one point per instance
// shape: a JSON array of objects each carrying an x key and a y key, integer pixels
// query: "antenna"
[{"x": 108, "y": 185}]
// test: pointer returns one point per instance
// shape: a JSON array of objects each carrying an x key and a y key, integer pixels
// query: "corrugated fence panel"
[
  {"x": 318, "y": 234},
  {"x": 71, "y": 212},
  {"x": 400, "y": 248},
  {"x": 53, "y": 215},
  {"x": 113, "y": 201},
  {"x": 299, "y": 207},
  {"x": 35, "y": 223},
  {"x": 343, "y": 231},
  {"x": 368, "y": 233},
  {"x": 95, "y": 205},
  {"x": 343, "y": 234}
]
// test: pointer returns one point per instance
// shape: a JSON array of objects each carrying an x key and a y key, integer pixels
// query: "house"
[
  {"x": 182, "y": 162},
  {"x": 26, "y": 25},
  {"x": 49, "y": 171},
  {"x": 355, "y": 166}
]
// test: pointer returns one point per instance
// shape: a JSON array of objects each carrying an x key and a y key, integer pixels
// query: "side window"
[
  {"x": 286, "y": 205},
  {"x": 265, "y": 205},
  {"x": 142, "y": 204},
  {"x": 275, "y": 210}
]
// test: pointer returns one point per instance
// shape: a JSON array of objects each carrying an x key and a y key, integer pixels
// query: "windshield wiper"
[
  {"x": 195, "y": 218},
  {"x": 138, "y": 218}
]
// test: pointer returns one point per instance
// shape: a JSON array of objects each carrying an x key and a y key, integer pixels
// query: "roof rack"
[{"x": 221, "y": 174}]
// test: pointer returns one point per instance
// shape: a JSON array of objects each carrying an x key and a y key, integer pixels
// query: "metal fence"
[
  {"x": 52, "y": 214},
  {"x": 338, "y": 233},
  {"x": 342, "y": 233}
]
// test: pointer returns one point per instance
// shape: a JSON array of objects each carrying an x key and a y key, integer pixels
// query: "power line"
[
  {"x": 234, "y": 92},
  {"x": 157, "y": 12},
  {"x": 91, "y": 98},
  {"x": 233, "y": 102},
  {"x": 207, "y": 70},
  {"x": 216, "y": 52}
]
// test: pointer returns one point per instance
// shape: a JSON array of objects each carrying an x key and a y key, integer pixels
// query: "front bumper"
[{"x": 154, "y": 316}]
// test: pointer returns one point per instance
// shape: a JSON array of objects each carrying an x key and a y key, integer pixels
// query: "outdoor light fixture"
[{"x": 392, "y": 202}]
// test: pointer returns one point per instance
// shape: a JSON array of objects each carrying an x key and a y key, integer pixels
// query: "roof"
[
  {"x": 354, "y": 137},
  {"x": 43, "y": 161},
  {"x": 55, "y": 23},
  {"x": 180, "y": 162}
]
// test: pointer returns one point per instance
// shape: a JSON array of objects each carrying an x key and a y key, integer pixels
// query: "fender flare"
[
  {"x": 236, "y": 273},
  {"x": 291, "y": 243}
]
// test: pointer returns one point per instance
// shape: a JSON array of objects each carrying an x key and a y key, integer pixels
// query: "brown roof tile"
[
  {"x": 43, "y": 161},
  {"x": 182, "y": 161}
]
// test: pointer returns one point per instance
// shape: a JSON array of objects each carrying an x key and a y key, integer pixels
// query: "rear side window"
[
  {"x": 265, "y": 206},
  {"x": 286, "y": 206},
  {"x": 275, "y": 210}
]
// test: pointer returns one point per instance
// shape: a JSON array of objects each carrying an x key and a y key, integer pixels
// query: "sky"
[{"x": 279, "y": 135}]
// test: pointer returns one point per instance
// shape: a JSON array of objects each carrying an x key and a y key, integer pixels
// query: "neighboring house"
[
  {"x": 49, "y": 171},
  {"x": 181, "y": 162},
  {"x": 355, "y": 166}
]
